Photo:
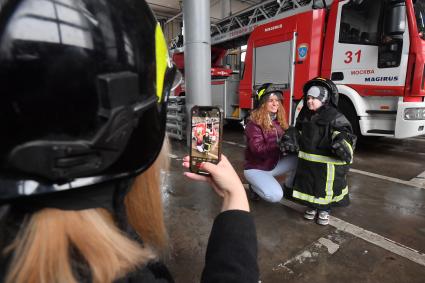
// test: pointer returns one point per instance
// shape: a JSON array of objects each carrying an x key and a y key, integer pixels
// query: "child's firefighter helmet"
[
  {"x": 263, "y": 93},
  {"x": 84, "y": 87},
  {"x": 329, "y": 95}
]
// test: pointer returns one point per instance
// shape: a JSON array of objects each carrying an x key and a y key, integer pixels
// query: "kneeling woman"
[{"x": 263, "y": 158}]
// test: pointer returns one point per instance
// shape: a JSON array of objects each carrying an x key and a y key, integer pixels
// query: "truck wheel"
[
  {"x": 346, "y": 107},
  {"x": 232, "y": 124}
]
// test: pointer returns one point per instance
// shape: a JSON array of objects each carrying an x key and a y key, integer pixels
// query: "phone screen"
[{"x": 206, "y": 136}]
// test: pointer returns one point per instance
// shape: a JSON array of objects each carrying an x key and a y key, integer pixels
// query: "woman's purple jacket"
[{"x": 262, "y": 151}]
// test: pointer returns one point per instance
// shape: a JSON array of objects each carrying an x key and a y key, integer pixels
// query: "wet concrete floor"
[{"x": 380, "y": 237}]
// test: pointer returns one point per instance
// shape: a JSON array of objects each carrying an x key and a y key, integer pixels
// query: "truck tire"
[{"x": 233, "y": 124}]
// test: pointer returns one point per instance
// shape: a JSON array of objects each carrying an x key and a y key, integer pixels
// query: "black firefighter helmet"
[
  {"x": 263, "y": 93},
  {"x": 83, "y": 93},
  {"x": 327, "y": 91}
]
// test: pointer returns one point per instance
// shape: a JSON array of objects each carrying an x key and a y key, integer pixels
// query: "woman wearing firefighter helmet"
[
  {"x": 263, "y": 159},
  {"x": 84, "y": 86}
]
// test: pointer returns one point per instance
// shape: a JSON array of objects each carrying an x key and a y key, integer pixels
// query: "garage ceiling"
[{"x": 167, "y": 9}]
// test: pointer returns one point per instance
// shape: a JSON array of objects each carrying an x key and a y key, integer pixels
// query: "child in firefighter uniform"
[{"x": 325, "y": 141}]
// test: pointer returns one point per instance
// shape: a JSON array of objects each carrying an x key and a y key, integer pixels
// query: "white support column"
[{"x": 197, "y": 57}]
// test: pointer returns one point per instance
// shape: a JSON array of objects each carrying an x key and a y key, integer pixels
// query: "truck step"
[
  {"x": 381, "y": 132},
  {"x": 233, "y": 118},
  {"x": 381, "y": 112}
]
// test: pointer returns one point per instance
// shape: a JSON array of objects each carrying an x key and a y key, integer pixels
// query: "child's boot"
[
  {"x": 323, "y": 217},
  {"x": 310, "y": 214}
]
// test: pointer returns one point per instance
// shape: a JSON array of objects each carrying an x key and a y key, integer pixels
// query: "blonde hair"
[
  {"x": 42, "y": 248},
  {"x": 261, "y": 117},
  {"x": 144, "y": 204}
]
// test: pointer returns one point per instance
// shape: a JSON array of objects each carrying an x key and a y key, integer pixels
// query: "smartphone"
[{"x": 206, "y": 131}]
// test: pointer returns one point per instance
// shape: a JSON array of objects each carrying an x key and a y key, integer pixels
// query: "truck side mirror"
[{"x": 395, "y": 21}]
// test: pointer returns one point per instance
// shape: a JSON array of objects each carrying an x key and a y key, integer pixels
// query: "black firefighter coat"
[{"x": 320, "y": 181}]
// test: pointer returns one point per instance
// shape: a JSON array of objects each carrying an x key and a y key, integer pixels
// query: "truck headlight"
[{"x": 414, "y": 114}]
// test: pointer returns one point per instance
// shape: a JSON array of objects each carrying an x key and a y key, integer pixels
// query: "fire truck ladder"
[{"x": 245, "y": 21}]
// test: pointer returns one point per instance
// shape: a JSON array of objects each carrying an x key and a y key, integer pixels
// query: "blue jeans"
[{"x": 265, "y": 184}]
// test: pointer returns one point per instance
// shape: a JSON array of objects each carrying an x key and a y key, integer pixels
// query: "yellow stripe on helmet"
[
  {"x": 261, "y": 92},
  {"x": 161, "y": 54}
]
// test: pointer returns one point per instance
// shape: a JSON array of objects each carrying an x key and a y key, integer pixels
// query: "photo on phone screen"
[{"x": 206, "y": 136}]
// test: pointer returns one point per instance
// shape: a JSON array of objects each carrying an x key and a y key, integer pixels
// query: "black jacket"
[
  {"x": 232, "y": 249},
  {"x": 231, "y": 255},
  {"x": 320, "y": 180}
]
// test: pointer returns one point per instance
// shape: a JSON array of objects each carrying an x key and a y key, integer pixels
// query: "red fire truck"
[
  {"x": 374, "y": 50},
  {"x": 218, "y": 71}
]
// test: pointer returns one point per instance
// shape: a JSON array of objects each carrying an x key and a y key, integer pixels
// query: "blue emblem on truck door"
[{"x": 302, "y": 51}]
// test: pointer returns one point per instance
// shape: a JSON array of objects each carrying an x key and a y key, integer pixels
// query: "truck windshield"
[{"x": 419, "y": 6}]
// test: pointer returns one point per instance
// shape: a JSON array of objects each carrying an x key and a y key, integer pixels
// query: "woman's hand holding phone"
[{"x": 225, "y": 182}]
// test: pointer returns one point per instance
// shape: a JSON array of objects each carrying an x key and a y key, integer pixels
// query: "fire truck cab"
[{"x": 374, "y": 50}]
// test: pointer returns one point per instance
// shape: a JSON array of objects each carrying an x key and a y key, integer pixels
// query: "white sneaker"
[
  {"x": 323, "y": 218},
  {"x": 310, "y": 214}
]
